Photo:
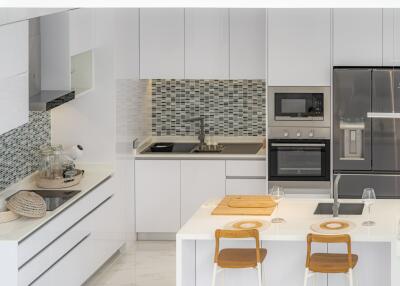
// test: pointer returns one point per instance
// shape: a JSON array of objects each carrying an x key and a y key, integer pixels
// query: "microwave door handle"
[
  {"x": 384, "y": 115},
  {"x": 298, "y": 145}
]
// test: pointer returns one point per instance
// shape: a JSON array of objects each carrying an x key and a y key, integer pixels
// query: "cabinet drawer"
[
  {"x": 243, "y": 168},
  {"x": 246, "y": 186},
  {"x": 85, "y": 257},
  {"x": 57, "y": 249},
  {"x": 51, "y": 231}
]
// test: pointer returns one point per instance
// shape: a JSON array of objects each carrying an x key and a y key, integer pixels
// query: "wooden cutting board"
[{"x": 245, "y": 205}]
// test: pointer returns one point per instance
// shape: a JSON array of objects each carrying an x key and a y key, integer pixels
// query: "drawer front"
[
  {"x": 80, "y": 262},
  {"x": 246, "y": 168},
  {"x": 246, "y": 186},
  {"x": 52, "y": 230}
]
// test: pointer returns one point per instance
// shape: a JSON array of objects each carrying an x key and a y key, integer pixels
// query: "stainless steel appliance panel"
[
  {"x": 386, "y": 131},
  {"x": 386, "y": 186},
  {"x": 351, "y": 128}
]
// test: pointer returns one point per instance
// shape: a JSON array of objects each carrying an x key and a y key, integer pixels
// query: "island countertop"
[{"x": 299, "y": 217}]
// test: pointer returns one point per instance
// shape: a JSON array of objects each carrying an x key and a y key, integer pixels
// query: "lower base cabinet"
[
  {"x": 88, "y": 254},
  {"x": 250, "y": 186},
  {"x": 69, "y": 248},
  {"x": 201, "y": 180}
]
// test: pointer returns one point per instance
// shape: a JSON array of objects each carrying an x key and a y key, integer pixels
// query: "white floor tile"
[{"x": 142, "y": 263}]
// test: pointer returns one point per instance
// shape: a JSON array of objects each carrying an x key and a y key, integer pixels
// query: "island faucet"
[
  {"x": 336, "y": 204},
  {"x": 202, "y": 134}
]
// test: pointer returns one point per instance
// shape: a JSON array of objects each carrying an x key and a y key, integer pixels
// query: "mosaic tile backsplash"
[
  {"x": 19, "y": 148},
  {"x": 230, "y": 107}
]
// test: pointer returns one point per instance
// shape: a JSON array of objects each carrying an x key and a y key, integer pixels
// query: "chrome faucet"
[
  {"x": 336, "y": 204},
  {"x": 202, "y": 134}
]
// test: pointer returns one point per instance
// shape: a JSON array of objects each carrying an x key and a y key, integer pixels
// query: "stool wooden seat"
[
  {"x": 238, "y": 257},
  {"x": 330, "y": 262}
]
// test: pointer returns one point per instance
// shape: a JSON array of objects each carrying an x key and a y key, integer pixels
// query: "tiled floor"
[{"x": 143, "y": 263}]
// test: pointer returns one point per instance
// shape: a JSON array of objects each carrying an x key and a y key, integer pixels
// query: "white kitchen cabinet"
[
  {"x": 391, "y": 37},
  {"x": 247, "y": 43},
  {"x": 201, "y": 180},
  {"x": 206, "y": 43},
  {"x": 14, "y": 49},
  {"x": 126, "y": 49},
  {"x": 162, "y": 43},
  {"x": 246, "y": 186},
  {"x": 357, "y": 37},
  {"x": 246, "y": 168},
  {"x": 81, "y": 30},
  {"x": 157, "y": 189},
  {"x": 299, "y": 47},
  {"x": 14, "y": 102}
]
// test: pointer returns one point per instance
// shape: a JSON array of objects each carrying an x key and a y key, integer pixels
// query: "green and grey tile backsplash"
[
  {"x": 230, "y": 107},
  {"x": 19, "y": 148}
]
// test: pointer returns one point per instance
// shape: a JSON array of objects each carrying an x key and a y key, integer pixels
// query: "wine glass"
[
  {"x": 277, "y": 194},
  {"x": 368, "y": 198}
]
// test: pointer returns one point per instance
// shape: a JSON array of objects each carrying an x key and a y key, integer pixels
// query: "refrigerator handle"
[{"x": 384, "y": 115}]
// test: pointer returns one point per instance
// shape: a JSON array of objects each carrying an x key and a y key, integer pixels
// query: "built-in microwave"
[{"x": 292, "y": 106}]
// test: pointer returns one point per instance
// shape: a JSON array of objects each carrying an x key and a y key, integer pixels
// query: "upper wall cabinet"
[
  {"x": 126, "y": 49},
  {"x": 14, "y": 96},
  {"x": 357, "y": 37},
  {"x": 299, "y": 47},
  {"x": 162, "y": 43},
  {"x": 206, "y": 43},
  {"x": 391, "y": 37},
  {"x": 80, "y": 31},
  {"x": 247, "y": 43}
]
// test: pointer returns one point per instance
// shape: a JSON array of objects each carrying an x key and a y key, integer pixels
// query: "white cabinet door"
[
  {"x": 239, "y": 186},
  {"x": 157, "y": 188},
  {"x": 299, "y": 47},
  {"x": 80, "y": 31},
  {"x": 247, "y": 43},
  {"x": 201, "y": 180},
  {"x": 391, "y": 37},
  {"x": 162, "y": 43},
  {"x": 357, "y": 37},
  {"x": 206, "y": 43},
  {"x": 126, "y": 49},
  {"x": 14, "y": 102},
  {"x": 14, "y": 49}
]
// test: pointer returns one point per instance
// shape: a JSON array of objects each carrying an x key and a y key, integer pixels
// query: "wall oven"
[{"x": 299, "y": 160}]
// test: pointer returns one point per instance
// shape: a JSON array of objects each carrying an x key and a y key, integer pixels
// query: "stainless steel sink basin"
[
  {"x": 186, "y": 148},
  {"x": 55, "y": 198},
  {"x": 344, "y": 209}
]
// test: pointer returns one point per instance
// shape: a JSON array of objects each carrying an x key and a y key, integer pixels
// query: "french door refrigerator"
[{"x": 366, "y": 130}]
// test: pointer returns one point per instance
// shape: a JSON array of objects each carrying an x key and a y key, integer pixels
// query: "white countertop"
[
  {"x": 18, "y": 229},
  {"x": 299, "y": 216},
  {"x": 260, "y": 155}
]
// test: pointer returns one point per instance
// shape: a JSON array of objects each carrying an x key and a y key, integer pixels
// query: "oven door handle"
[{"x": 298, "y": 144}]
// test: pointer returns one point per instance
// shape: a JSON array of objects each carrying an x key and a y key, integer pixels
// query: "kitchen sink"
[
  {"x": 186, "y": 148},
  {"x": 55, "y": 198},
  {"x": 344, "y": 209}
]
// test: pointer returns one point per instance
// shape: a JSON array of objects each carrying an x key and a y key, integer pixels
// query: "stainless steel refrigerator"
[{"x": 366, "y": 130}]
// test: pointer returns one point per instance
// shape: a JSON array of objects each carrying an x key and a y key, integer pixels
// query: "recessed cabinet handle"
[{"x": 387, "y": 115}]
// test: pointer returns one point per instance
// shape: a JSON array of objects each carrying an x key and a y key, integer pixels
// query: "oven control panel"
[{"x": 298, "y": 133}]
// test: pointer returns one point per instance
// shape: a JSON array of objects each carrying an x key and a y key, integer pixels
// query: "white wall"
[{"x": 90, "y": 119}]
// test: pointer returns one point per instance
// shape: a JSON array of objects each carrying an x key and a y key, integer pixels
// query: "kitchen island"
[{"x": 377, "y": 246}]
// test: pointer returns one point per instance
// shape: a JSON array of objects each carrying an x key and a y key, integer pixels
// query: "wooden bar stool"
[
  {"x": 238, "y": 257},
  {"x": 330, "y": 262}
]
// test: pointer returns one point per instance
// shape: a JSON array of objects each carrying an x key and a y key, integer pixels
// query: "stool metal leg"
[
  {"x": 214, "y": 274},
  {"x": 350, "y": 274},
  {"x": 306, "y": 277},
  {"x": 259, "y": 274}
]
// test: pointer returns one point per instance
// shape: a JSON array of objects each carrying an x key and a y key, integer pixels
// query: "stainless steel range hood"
[{"x": 49, "y": 99}]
